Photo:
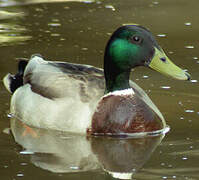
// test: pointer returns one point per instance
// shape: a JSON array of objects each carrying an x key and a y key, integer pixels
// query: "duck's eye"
[{"x": 136, "y": 39}]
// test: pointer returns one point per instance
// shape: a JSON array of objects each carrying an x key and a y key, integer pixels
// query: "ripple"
[
  {"x": 194, "y": 81},
  {"x": 165, "y": 87},
  {"x": 187, "y": 24},
  {"x": 161, "y": 35},
  {"x": 54, "y": 24},
  {"x": 189, "y": 111},
  {"x": 12, "y": 34},
  {"x": 24, "y": 164},
  {"x": 145, "y": 77},
  {"x": 88, "y": 1},
  {"x": 22, "y": 3},
  {"x": 155, "y": 2},
  {"x": 10, "y": 15},
  {"x": 162, "y": 131},
  {"x": 110, "y": 7},
  {"x": 84, "y": 49},
  {"x": 74, "y": 167},
  {"x": 189, "y": 47},
  {"x": 10, "y": 39},
  {"x": 186, "y": 153},
  {"x": 184, "y": 158},
  {"x": 55, "y": 34}
]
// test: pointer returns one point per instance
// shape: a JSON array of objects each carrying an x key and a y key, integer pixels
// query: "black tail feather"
[
  {"x": 15, "y": 81},
  {"x": 21, "y": 66}
]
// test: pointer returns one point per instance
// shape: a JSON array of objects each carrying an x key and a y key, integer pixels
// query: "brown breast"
[{"x": 124, "y": 114}]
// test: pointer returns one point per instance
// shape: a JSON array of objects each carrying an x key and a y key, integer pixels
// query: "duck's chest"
[{"x": 125, "y": 113}]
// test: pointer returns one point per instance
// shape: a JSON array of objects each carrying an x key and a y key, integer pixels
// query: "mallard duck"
[{"x": 84, "y": 99}]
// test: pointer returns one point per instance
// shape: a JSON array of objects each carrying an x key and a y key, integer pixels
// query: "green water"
[{"x": 77, "y": 31}]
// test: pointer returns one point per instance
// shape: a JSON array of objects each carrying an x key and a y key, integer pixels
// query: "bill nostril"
[{"x": 163, "y": 59}]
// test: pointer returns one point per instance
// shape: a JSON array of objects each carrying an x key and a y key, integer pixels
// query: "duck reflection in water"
[{"x": 61, "y": 152}]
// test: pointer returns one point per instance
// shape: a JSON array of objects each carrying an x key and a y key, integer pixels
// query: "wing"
[
  {"x": 53, "y": 79},
  {"x": 144, "y": 97}
]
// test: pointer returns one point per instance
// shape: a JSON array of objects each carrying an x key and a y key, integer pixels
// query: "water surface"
[{"x": 77, "y": 31}]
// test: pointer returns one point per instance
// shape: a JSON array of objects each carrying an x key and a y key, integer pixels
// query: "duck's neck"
[{"x": 114, "y": 77}]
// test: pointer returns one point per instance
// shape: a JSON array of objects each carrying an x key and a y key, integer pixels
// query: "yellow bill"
[{"x": 164, "y": 65}]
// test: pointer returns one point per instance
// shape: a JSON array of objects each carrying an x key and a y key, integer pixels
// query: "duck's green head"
[{"x": 131, "y": 46}]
